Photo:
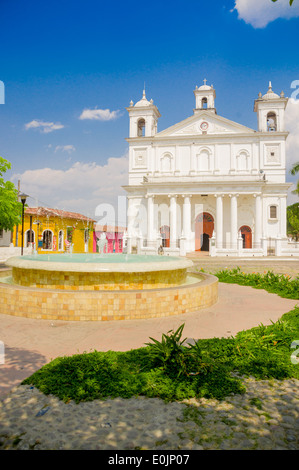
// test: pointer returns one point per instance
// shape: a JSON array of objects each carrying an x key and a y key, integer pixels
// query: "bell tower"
[
  {"x": 143, "y": 118},
  {"x": 205, "y": 98},
  {"x": 270, "y": 109}
]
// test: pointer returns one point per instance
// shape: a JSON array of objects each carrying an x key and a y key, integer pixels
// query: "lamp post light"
[
  {"x": 38, "y": 223},
  {"x": 23, "y": 198}
]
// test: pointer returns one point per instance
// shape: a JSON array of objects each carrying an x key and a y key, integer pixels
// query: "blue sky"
[{"x": 59, "y": 58}]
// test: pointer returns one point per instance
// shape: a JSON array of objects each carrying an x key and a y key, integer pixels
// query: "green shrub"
[{"x": 279, "y": 284}]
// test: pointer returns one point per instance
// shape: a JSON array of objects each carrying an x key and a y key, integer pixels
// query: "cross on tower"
[{"x": 205, "y": 81}]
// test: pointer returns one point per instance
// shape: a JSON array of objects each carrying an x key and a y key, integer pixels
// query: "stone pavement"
[
  {"x": 288, "y": 265},
  {"x": 266, "y": 417}
]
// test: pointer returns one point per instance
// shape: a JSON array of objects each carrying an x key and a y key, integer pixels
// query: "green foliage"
[
  {"x": 290, "y": 2},
  {"x": 264, "y": 351},
  {"x": 10, "y": 208},
  {"x": 293, "y": 220},
  {"x": 279, "y": 284},
  {"x": 169, "y": 353},
  {"x": 174, "y": 370}
]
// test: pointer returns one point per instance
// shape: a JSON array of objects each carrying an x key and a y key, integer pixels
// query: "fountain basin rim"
[
  {"x": 150, "y": 266},
  {"x": 204, "y": 279}
]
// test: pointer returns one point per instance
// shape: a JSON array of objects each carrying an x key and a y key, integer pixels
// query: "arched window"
[
  {"x": 273, "y": 212},
  {"x": 29, "y": 237},
  {"x": 204, "y": 103},
  {"x": 60, "y": 240},
  {"x": 141, "y": 127},
  {"x": 166, "y": 163},
  {"x": 243, "y": 161},
  {"x": 204, "y": 160},
  {"x": 271, "y": 122},
  {"x": 165, "y": 234},
  {"x": 47, "y": 240},
  {"x": 86, "y": 236}
]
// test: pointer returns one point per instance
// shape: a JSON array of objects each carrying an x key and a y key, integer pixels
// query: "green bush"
[{"x": 279, "y": 284}]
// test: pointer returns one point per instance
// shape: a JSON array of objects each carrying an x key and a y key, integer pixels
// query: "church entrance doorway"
[
  {"x": 204, "y": 227},
  {"x": 165, "y": 234},
  {"x": 246, "y": 234}
]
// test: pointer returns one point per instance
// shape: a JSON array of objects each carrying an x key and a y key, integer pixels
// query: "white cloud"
[
  {"x": 80, "y": 188},
  {"x": 99, "y": 114},
  {"x": 259, "y": 13},
  {"x": 44, "y": 127},
  {"x": 292, "y": 198},
  {"x": 292, "y": 125},
  {"x": 65, "y": 148},
  {"x": 292, "y": 144}
]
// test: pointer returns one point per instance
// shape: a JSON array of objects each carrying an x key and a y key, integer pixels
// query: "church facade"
[{"x": 208, "y": 183}]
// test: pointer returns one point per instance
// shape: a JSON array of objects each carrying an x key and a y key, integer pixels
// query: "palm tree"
[
  {"x": 295, "y": 168},
  {"x": 293, "y": 171},
  {"x": 291, "y": 1}
]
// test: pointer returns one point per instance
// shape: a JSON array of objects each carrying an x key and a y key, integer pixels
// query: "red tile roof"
[
  {"x": 47, "y": 212},
  {"x": 109, "y": 228}
]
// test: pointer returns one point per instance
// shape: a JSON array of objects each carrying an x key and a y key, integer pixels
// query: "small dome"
[
  {"x": 204, "y": 87},
  {"x": 143, "y": 101},
  {"x": 270, "y": 95}
]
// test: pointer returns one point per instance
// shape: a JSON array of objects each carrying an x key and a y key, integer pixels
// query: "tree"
[
  {"x": 291, "y": 1},
  {"x": 293, "y": 171},
  {"x": 10, "y": 207},
  {"x": 293, "y": 220}
]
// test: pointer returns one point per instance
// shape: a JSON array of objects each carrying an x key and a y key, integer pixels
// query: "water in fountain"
[{"x": 102, "y": 244}]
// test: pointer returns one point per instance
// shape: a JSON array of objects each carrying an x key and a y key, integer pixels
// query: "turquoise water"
[
  {"x": 100, "y": 258},
  {"x": 189, "y": 280},
  {"x": 6, "y": 280}
]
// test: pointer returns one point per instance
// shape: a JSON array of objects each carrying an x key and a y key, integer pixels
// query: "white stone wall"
[
  {"x": 5, "y": 238},
  {"x": 209, "y": 159},
  {"x": 8, "y": 252}
]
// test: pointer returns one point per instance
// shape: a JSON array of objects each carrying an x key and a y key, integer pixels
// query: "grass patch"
[
  {"x": 280, "y": 284},
  {"x": 172, "y": 370}
]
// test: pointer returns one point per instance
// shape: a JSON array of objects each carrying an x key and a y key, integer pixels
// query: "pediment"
[{"x": 205, "y": 123}]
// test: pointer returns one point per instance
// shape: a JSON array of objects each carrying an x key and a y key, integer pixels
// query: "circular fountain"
[
  {"x": 98, "y": 271},
  {"x": 104, "y": 287}
]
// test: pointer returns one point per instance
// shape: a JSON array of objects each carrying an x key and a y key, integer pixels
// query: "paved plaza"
[{"x": 288, "y": 265}]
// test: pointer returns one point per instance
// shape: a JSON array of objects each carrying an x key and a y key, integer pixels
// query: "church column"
[
  {"x": 219, "y": 220},
  {"x": 150, "y": 216},
  {"x": 258, "y": 220},
  {"x": 173, "y": 220},
  {"x": 187, "y": 217},
  {"x": 233, "y": 221},
  {"x": 130, "y": 216}
]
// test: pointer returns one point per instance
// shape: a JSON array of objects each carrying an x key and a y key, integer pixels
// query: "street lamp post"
[
  {"x": 37, "y": 222},
  {"x": 23, "y": 198}
]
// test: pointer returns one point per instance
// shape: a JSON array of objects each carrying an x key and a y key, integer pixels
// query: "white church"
[{"x": 208, "y": 183}]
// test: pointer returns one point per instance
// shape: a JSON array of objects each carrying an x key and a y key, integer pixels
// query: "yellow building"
[{"x": 54, "y": 230}]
